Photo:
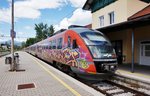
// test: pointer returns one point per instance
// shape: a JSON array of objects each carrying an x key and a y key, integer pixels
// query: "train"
[{"x": 85, "y": 52}]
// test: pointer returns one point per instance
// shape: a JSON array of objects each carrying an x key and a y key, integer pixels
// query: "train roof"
[
  {"x": 78, "y": 29},
  {"x": 82, "y": 29}
]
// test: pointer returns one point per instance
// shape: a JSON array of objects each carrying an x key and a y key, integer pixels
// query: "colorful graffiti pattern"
[{"x": 71, "y": 57}]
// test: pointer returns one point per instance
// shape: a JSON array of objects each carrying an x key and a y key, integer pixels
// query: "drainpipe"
[{"x": 132, "y": 70}]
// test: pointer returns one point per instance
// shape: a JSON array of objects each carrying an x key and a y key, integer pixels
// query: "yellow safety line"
[
  {"x": 135, "y": 74},
  {"x": 58, "y": 79}
]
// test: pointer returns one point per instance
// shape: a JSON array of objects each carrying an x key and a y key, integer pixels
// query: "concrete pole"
[
  {"x": 12, "y": 38},
  {"x": 132, "y": 70}
]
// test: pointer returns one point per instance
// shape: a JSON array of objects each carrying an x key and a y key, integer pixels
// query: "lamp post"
[{"x": 12, "y": 38}]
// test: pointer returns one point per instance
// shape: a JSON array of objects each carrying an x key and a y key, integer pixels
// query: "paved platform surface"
[
  {"x": 140, "y": 72},
  {"x": 48, "y": 80}
]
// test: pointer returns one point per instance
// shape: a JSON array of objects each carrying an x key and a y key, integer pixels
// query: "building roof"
[
  {"x": 141, "y": 13},
  {"x": 88, "y": 26},
  {"x": 88, "y": 4},
  {"x": 147, "y": 1}
]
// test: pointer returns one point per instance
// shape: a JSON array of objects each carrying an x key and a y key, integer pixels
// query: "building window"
[
  {"x": 111, "y": 18},
  {"x": 101, "y": 18}
]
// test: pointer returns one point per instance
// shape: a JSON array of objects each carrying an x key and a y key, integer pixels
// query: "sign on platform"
[{"x": 13, "y": 34}]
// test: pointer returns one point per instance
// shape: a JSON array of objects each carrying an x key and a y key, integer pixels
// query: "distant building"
[
  {"x": 127, "y": 24},
  {"x": 4, "y": 46},
  {"x": 88, "y": 26}
]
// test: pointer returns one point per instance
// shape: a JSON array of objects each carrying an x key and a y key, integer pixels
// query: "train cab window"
[
  {"x": 94, "y": 38},
  {"x": 69, "y": 41},
  {"x": 59, "y": 44},
  {"x": 98, "y": 44}
]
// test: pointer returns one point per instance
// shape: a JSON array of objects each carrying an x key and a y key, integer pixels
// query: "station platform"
[
  {"x": 39, "y": 79},
  {"x": 141, "y": 73}
]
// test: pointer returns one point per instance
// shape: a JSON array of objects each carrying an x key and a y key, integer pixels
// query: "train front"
[{"x": 102, "y": 52}]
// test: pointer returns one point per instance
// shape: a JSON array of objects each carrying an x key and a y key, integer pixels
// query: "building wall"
[
  {"x": 121, "y": 35},
  {"x": 134, "y": 6},
  {"x": 122, "y": 9},
  {"x": 119, "y": 7},
  {"x": 141, "y": 34}
]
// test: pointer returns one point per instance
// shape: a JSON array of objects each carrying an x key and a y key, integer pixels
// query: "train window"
[
  {"x": 69, "y": 41},
  {"x": 47, "y": 47},
  {"x": 74, "y": 45},
  {"x": 59, "y": 44},
  {"x": 54, "y": 44},
  {"x": 50, "y": 45}
]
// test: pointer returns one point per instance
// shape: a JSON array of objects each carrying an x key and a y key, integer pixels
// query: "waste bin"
[
  {"x": 8, "y": 60},
  {"x": 16, "y": 58},
  {"x": 17, "y": 55}
]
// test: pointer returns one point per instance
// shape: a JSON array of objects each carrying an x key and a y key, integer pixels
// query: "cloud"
[
  {"x": 5, "y": 15},
  {"x": 77, "y": 3},
  {"x": 79, "y": 17},
  {"x": 28, "y": 27},
  {"x": 29, "y": 8},
  {"x": 20, "y": 39},
  {"x": 20, "y": 33}
]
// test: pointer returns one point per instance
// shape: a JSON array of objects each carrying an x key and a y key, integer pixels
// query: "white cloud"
[
  {"x": 77, "y": 3},
  {"x": 20, "y": 39},
  {"x": 20, "y": 33},
  {"x": 29, "y": 8},
  {"x": 5, "y": 15},
  {"x": 79, "y": 17},
  {"x": 28, "y": 27},
  {"x": 25, "y": 12}
]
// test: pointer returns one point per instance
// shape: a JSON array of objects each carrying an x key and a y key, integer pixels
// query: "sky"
[{"x": 59, "y": 13}]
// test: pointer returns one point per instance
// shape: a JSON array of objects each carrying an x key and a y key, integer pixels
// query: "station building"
[{"x": 127, "y": 24}]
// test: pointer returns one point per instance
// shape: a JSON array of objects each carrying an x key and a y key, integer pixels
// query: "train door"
[
  {"x": 118, "y": 48},
  {"x": 145, "y": 53},
  {"x": 69, "y": 42}
]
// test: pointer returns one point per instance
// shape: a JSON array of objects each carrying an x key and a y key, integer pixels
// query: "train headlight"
[
  {"x": 95, "y": 51},
  {"x": 112, "y": 67}
]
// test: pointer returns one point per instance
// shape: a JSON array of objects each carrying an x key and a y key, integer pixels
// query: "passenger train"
[{"x": 85, "y": 52}]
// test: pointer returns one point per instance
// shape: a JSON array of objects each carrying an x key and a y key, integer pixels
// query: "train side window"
[
  {"x": 47, "y": 47},
  {"x": 74, "y": 45},
  {"x": 69, "y": 41},
  {"x": 50, "y": 45},
  {"x": 59, "y": 44},
  {"x": 54, "y": 44}
]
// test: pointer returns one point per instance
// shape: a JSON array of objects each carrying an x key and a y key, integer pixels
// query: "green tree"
[
  {"x": 41, "y": 31},
  {"x": 51, "y": 30},
  {"x": 30, "y": 41}
]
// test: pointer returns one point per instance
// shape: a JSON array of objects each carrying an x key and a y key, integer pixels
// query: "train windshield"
[
  {"x": 94, "y": 38},
  {"x": 98, "y": 44}
]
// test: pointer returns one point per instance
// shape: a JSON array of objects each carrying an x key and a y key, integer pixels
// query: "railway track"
[
  {"x": 121, "y": 86},
  {"x": 118, "y": 86}
]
